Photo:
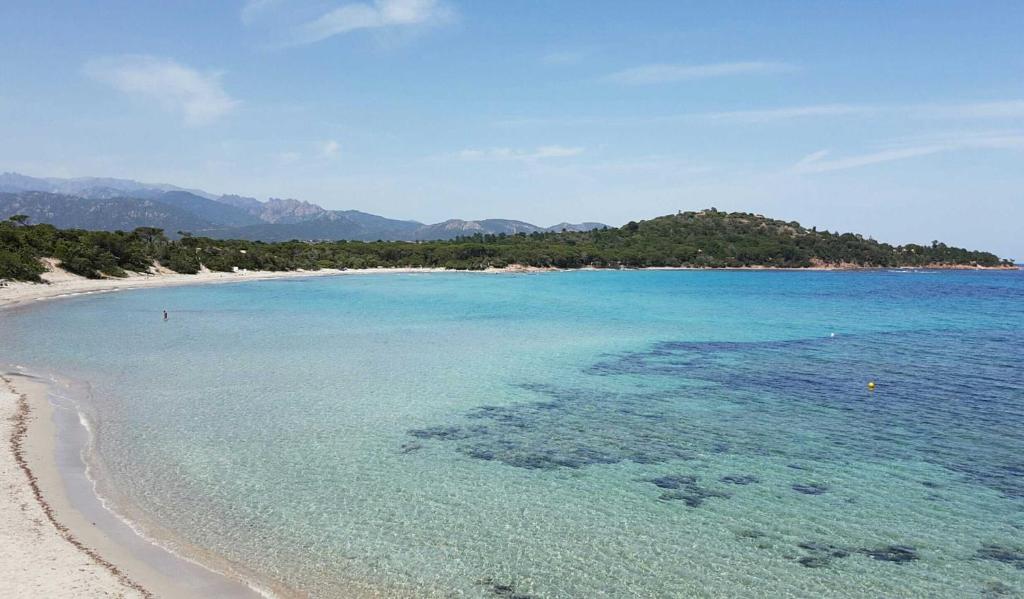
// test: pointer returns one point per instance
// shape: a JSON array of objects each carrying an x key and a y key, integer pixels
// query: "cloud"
[
  {"x": 818, "y": 162},
  {"x": 669, "y": 73},
  {"x": 1002, "y": 109},
  {"x": 329, "y": 148},
  {"x": 978, "y": 110},
  {"x": 376, "y": 15},
  {"x": 783, "y": 114},
  {"x": 540, "y": 153},
  {"x": 254, "y": 9},
  {"x": 197, "y": 96}
]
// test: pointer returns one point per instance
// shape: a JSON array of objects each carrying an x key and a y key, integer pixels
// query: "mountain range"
[{"x": 121, "y": 204}]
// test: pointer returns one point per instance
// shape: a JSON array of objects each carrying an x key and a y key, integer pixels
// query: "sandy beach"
[
  {"x": 62, "y": 284},
  {"x": 39, "y": 555}
]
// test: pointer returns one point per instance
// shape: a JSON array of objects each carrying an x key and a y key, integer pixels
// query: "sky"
[{"x": 901, "y": 120}]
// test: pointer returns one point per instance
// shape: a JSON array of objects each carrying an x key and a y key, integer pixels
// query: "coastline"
[
  {"x": 42, "y": 556},
  {"x": 81, "y": 546},
  {"x": 59, "y": 283}
]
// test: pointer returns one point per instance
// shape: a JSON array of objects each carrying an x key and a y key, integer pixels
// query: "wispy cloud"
[
  {"x": 540, "y": 153},
  {"x": 197, "y": 96},
  {"x": 819, "y": 162},
  {"x": 670, "y": 73},
  {"x": 329, "y": 148},
  {"x": 783, "y": 114},
  {"x": 254, "y": 9},
  {"x": 994, "y": 110},
  {"x": 376, "y": 15},
  {"x": 1003, "y": 109}
]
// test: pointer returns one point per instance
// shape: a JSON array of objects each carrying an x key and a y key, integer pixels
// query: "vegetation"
[{"x": 709, "y": 238}]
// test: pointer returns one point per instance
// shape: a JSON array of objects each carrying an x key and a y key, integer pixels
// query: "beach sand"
[
  {"x": 60, "y": 283},
  {"x": 39, "y": 556}
]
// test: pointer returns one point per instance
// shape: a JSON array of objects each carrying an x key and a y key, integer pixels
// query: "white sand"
[
  {"x": 63, "y": 284},
  {"x": 38, "y": 556}
]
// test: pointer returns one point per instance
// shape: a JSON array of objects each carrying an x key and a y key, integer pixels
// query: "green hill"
[{"x": 705, "y": 239}]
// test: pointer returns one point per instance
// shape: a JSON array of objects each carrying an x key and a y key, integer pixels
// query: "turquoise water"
[{"x": 580, "y": 434}]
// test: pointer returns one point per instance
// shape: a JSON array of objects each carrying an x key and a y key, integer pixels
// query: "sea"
[{"x": 563, "y": 434}]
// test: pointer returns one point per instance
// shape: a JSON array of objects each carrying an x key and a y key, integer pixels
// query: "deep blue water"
[{"x": 671, "y": 434}]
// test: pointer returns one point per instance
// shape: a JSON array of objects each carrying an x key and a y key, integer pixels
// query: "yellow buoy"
[{"x": 871, "y": 385}]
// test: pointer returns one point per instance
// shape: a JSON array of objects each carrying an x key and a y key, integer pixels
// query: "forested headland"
[{"x": 704, "y": 239}]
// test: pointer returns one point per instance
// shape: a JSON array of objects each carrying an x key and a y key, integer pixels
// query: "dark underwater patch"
[
  {"x": 684, "y": 487},
  {"x": 802, "y": 401},
  {"x": 502, "y": 589},
  {"x": 899, "y": 554},
  {"x": 1006, "y": 554},
  {"x": 740, "y": 479},
  {"x": 996, "y": 589},
  {"x": 810, "y": 488},
  {"x": 820, "y": 555}
]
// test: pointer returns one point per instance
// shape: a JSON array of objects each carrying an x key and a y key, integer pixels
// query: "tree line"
[{"x": 709, "y": 239}]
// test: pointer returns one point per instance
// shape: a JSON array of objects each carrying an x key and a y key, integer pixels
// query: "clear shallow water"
[{"x": 569, "y": 434}]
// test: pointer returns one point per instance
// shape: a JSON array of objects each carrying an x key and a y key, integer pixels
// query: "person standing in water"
[{"x": 165, "y": 314}]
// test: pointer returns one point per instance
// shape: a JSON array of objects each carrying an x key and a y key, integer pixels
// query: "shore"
[
  {"x": 62, "y": 284},
  {"x": 39, "y": 555}
]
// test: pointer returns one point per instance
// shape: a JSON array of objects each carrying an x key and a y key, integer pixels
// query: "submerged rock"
[
  {"x": 814, "y": 561},
  {"x": 1002, "y": 553},
  {"x": 682, "y": 487},
  {"x": 821, "y": 554},
  {"x": 996, "y": 589},
  {"x": 502, "y": 589},
  {"x": 740, "y": 479},
  {"x": 438, "y": 432},
  {"x": 825, "y": 549},
  {"x": 410, "y": 447},
  {"x": 673, "y": 481},
  {"x": 810, "y": 488},
  {"x": 899, "y": 554}
]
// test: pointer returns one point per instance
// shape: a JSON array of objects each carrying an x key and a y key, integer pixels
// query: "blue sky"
[{"x": 901, "y": 120}]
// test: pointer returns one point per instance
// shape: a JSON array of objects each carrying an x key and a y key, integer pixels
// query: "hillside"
[
  {"x": 112, "y": 214},
  {"x": 223, "y": 216},
  {"x": 709, "y": 238}
]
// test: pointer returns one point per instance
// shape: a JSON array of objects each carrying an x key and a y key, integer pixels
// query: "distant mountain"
[
  {"x": 576, "y": 228},
  {"x": 328, "y": 225},
  {"x": 108, "y": 204},
  {"x": 12, "y": 182},
  {"x": 106, "y": 214},
  {"x": 450, "y": 229},
  {"x": 209, "y": 210}
]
